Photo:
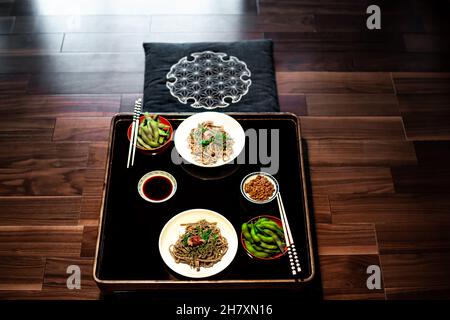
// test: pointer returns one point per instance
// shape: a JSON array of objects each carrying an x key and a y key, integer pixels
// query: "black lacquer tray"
[{"x": 127, "y": 255}]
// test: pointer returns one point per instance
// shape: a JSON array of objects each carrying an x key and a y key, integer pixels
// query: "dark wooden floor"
[{"x": 374, "y": 108}]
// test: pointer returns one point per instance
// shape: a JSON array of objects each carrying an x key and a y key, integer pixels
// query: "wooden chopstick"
[
  {"x": 134, "y": 132},
  {"x": 292, "y": 251}
]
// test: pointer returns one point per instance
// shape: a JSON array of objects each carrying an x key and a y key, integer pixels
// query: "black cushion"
[{"x": 241, "y": 79}]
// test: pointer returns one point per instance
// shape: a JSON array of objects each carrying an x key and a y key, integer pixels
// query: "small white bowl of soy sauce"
[{"x": 157, "y": 186}]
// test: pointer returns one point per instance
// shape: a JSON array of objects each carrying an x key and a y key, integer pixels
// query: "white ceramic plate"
[
  {"x": 231, "y": 126},
  {"x": 173, "y": 229}
]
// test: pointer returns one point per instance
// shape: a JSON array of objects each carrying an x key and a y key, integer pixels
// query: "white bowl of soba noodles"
[{"x": 209, "y": 139}]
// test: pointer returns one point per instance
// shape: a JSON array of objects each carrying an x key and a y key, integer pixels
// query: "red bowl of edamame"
[
  {"x": 165, "y": 127},
  {"x": 262, "y": 237}
]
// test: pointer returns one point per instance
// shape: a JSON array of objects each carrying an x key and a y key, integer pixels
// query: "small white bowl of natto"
[{"x": 259, "y": 187}]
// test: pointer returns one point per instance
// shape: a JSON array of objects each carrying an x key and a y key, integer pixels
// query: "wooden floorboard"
[
  {"x": 313, "y": 61},
  {"x": 233, "y": 23},
  {"x": 55, "y": 279},
  {"x": 423, "y": 42},
  {"x": 132, "y": 42},
  {"x": 81, "y": 23},
  {"x": 431, "y": 153},
  {"x": 320, "y": 208},
  {"x": 45, "y": 182},
  {"x": 90, "y": 209},
  {"x": 428, "y": 237},
  {"x": 401, "y": 62},
  {"x": 344, "y": 277},
  {"x": 293, "y": 103},
  {"x": 351, "y": 42},
  {"x": 421, "y": 179},
  {"x": 41, "y": 155},
  {"x": 21, "y": 273},
  {"x": 89, "y": 241},
  {"x": 82, "y": 129},
  {"x": 97, "y": 154},
  {"x": 346, "y": 239},
  {"x": 332, "y": 22},
  {"x": 54, "y": 106},
  {"x": 373, "y": 106},
  {"x": 26, "y": 130},
  {"x": 364, "y": 128},
  {"x": 390, "y": 208},
  {"x": 91, "y": 82},
  {"x": 13, "y": 83},
  {"x": 352, "y": 105},
  {"x": 335, "y": 82},
  {"x": 428, "y": 269},
  {"x": 335, "y": 180},
  {"x": 331, "y": 152},
  {"x": 40, "y": 240},
  {"x": 39, "y": 210},
  {"x": 421, "y": 83},
  {"x": 56, "y": 63},
  {"x": 33, "y": 43}
]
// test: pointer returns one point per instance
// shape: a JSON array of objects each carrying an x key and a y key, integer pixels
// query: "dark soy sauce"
[{"x": 157, "y": 188}]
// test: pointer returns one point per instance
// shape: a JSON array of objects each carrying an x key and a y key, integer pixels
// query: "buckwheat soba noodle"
[
  {"x": 201, "y": 245},
  {"x": 209, "y": 143}
]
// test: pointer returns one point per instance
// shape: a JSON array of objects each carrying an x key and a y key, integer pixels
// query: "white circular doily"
[{"x": 210, "y": 80}]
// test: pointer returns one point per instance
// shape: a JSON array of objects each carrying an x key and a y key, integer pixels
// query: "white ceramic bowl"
[
  {"x": 155, "y": 173},
  {"x": 252, "y": 176},
  {"x": 231, "y": 126},
  {"x": 173, "y": 229}
]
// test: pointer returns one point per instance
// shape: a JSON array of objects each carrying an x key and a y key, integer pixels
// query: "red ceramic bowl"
[
  {"x": 158, "y": 149},
  {"x": 278, "y": 222}
]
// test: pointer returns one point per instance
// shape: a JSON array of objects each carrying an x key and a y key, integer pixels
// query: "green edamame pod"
[
  {"x": 144, "y": 137},
  {"x": 256, "y": 253},
  {"x": 161, "y": 140},
  {"x": 162, "y": 133},
  {"x": 154, "y": 144},
  {"x": 163, "y": 126},
  {"x": 261, "y": 249},
  {"x": 149, "y": 128},
  {"x": 277, "y": 240},
  {"x": 142, "y": 143},
  {"x": 255, "y": 237},
  {"x": 246, "y": 233},
  {"x": 268, "y": 246},
  {"x": 154, "y": 126},
  {"x": 274, "y": 227},
  {"x": 147, "y": 131},
  {"x": 264, "y": 238},
  {"x": 273, "y": 224}
]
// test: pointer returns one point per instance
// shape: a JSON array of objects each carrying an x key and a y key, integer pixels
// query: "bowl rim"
[
  {"x": 273, "y": 218},
  {"x": 157, "y": 148},
  {"x": 153, "y": 173},
  {"x": 267, "y": 175}
]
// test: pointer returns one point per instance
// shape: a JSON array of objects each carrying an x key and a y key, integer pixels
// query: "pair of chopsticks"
[
  {"x": 134, "y": 132},
  {"x": 292, "y": 252}
]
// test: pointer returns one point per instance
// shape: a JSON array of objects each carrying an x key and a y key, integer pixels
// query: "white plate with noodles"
[
  {"x": 209, "y": 139},
  {"x": 198, "y": 243}
]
